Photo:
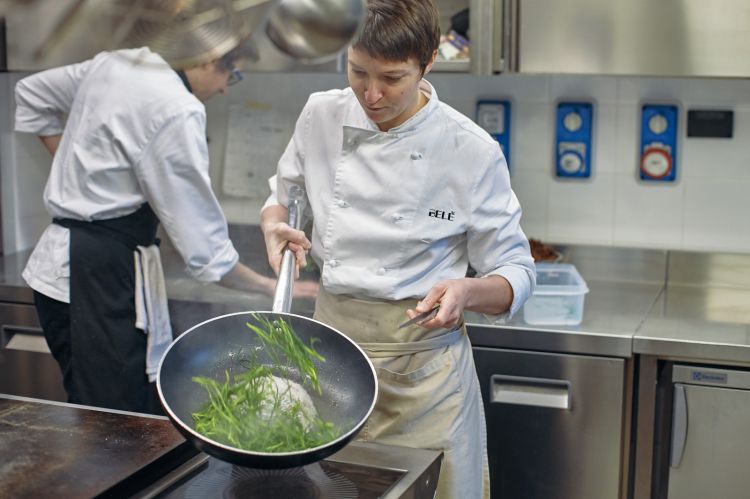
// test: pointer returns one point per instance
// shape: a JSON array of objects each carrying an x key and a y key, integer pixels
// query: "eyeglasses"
[{"x": 234, "y": 77}]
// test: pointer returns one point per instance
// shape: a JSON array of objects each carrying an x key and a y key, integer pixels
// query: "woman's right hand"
[{"x": 279, "y": 235}]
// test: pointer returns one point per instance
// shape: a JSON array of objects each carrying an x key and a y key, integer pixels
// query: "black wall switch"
[{"x": 710, "y": 123}]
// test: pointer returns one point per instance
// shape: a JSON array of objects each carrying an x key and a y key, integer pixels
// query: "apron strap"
[
  {"x": 379, "y": 350},
  {"x": 133, "y": 230}
]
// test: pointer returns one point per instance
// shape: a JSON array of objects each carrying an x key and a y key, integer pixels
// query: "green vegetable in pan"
[
  {"x": 287, "y": 349},
  {"x": 262, "y": 409}
]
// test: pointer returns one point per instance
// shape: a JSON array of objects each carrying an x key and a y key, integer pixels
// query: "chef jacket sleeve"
[
  {"x": 44, "y": 99},
  {"x": 173, "y": 173},
  {"x": 271, "y": 199},
  {"x": 496, "y": 243}
]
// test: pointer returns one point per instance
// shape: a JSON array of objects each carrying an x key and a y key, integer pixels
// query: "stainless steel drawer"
[{"x": 26, "y": 367}]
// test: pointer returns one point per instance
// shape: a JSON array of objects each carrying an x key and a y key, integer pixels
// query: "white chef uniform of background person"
[
  {"x": 93, "y": 180},
  {"x": 371, "y": 193}
]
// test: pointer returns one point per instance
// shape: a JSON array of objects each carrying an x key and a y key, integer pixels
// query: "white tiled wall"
[{"x": 705, "y": 209}]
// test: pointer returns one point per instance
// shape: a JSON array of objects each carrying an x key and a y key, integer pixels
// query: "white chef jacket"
[
  {"x": 396, "y": 212},
  {"x": 133, "y": 134}
]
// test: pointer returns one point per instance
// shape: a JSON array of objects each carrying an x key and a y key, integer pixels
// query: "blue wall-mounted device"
[
  {"x": 575, "y": 123},
  {"x": 494, "y": 117},
  {"x": 658, "y": 151}
]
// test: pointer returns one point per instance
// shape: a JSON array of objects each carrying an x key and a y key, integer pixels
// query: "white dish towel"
[{"x": 151, "y": 311}]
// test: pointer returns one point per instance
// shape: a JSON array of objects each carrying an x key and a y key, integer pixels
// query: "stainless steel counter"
[
  {"x": 699, "y": 324},
  {"x": 613, "y": 310},
  {"x": 623, "y": 285},
  {"x": 612, "y": 313},
  {"x": 627, "y": 311},
  {"x": 704, "y": 313}
]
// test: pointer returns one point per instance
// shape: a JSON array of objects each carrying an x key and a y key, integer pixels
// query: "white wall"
[{"x": 705, "y": 209}]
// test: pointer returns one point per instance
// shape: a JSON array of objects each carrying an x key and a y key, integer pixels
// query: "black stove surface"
[{"x": 322, "y": 480}]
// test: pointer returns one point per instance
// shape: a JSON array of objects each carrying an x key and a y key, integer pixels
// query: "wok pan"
[{"x": 211, "y": 348}]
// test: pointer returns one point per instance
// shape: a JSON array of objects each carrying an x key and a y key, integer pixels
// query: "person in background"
[
  {"x": 405, "y": 194},
  {"x": 128, "y": 137}
]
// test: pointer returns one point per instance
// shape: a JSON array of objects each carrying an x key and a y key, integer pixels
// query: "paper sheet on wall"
[{"x": 256, "y": 138}]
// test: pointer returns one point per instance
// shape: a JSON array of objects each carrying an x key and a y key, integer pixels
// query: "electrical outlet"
[
  {"x": 494, "y": 117},
  {"x": 658, "y": 150},
  {"x": 573, "y": 140}
]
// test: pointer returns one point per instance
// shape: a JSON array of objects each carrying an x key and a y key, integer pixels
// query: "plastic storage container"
[{"x": 558, "y": 297}]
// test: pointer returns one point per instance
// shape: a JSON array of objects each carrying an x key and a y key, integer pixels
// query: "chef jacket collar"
[
  {"x": 423, "y": 114},
  {"x": 184, "y": 79},
  {"x": 412, "y": 123}
]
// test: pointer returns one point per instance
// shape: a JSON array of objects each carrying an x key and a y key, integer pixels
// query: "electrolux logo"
[
  {"x": 707, "y": 377},
  {"x": 441, "y": 214}
]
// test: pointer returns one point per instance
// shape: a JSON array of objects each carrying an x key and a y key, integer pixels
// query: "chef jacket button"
[
  {"x": 381, "y": 271},
  {"x": 343, "y": 204},
  {"x": 416, "y": 155},
  {"x": 397, "y": 217},
  {"x": 333, "y": 263}
]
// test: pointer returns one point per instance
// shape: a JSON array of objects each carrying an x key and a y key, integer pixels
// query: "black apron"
[{"x": 108, "y": 353}]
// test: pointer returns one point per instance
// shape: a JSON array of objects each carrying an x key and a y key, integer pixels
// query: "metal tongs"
[{"x": 423, "y": 317}]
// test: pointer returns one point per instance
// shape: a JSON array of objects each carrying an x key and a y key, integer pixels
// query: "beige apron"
[{"x": 429, "y": 393}]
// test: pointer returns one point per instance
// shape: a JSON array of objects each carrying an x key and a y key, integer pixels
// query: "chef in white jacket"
[
  {"x": 128, "y": 137},
  {"x": 405, "y": 194}
]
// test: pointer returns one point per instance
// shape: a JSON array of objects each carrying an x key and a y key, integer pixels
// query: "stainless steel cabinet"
[
  {"x": 644, "y": 37},
  {"x": 639, "y": 37},
  {"x": 555, "y": 423},
  {"x": 26, "y": 367},
  {"x": 710, "y": 440}
]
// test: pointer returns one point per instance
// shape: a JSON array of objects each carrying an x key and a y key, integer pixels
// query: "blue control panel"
[
  {"x": 494, "y": 117},
  {"x": 573, "y": 139},
  {"x": 658, "y": 150}
]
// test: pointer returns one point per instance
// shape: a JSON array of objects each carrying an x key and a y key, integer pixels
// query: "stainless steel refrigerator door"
[
  {"x": 554, "y": 423},
  {"x": 710, "y": 448}
]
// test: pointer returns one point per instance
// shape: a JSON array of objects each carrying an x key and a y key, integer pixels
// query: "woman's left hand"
[
  {"x": 451, "y": 295},
  {"x": 489, "y": 295}
]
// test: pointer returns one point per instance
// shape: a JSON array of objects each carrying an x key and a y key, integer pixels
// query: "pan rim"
[{"x": 187, "y": 428}]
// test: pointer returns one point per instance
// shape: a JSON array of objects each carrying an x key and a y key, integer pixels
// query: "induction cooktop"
[{"x": 359, "y": 471}]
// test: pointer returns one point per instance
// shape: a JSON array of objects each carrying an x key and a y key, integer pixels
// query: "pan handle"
[{"x": 282, "y": 298}]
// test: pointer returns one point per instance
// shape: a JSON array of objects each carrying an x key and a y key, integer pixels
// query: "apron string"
[{"x": 379, "y": 350}]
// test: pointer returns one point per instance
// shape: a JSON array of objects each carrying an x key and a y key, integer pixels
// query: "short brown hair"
[{"x": 396, "y": 30}]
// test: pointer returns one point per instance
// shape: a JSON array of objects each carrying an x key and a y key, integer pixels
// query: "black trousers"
[{"x": 102, "y": 355}]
